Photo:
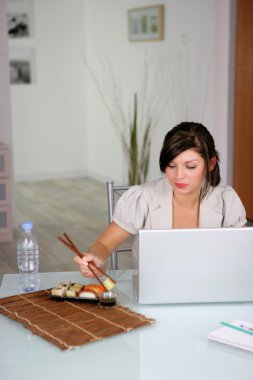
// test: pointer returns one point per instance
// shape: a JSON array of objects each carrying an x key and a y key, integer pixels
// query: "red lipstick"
[{"x": 181, "y": 185}]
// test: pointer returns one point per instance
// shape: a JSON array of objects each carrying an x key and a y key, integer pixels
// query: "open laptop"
[{"x": 195, "y": 265}]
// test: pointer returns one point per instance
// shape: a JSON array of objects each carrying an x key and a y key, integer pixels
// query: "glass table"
[{"x": 175, "y": 347}]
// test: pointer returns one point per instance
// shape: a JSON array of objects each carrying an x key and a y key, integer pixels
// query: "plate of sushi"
[{"x": 69, "y": 291}]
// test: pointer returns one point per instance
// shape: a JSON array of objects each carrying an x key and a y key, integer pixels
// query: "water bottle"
[{"x": 28, "y": 259}]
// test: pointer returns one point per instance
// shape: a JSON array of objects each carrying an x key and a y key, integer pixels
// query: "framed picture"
[
  {"x": 19, "y": 18},
  {"x": 21, "y": 66},
  {"x": 146, "y": 24}
]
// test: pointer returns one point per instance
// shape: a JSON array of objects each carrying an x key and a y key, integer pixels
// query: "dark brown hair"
[{"x": 190, "y": 135}]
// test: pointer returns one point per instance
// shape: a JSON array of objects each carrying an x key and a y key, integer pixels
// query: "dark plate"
[{"x": 72, "y": 299}]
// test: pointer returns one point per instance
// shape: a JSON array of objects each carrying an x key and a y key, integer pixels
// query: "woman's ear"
[{"x": 212, "y": 163}]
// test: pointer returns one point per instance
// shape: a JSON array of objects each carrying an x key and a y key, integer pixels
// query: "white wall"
[
  {"x": 5, "y": 101},
  {"x": 49, "y": 115},
  {"x": 195, "y": 51},
  {"x": 60, "y": 125},
  {"x": 5, "y": 110}
]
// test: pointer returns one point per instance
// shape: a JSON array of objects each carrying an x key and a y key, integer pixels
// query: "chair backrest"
[{"x": 112, "y": 190}]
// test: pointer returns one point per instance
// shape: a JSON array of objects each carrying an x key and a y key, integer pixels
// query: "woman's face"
[{"x": 186, "y": 172}]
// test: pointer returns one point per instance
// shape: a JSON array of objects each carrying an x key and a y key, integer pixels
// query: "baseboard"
[
  {"x": 66, "y": 175},
  {"x": 50, "y": 176}
]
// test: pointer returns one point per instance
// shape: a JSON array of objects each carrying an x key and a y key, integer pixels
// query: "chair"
[{"x": 111, "y": 191}]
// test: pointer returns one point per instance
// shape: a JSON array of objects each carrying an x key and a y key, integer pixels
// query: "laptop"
[{"x": 195, "y": 265}]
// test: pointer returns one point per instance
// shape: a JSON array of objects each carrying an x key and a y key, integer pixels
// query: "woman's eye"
[
  {"x": 190, "y": 167},
  {"x": 172, "y": 166}
]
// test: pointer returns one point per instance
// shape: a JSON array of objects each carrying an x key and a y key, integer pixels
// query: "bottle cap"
[{"x": 27, "y": 226}]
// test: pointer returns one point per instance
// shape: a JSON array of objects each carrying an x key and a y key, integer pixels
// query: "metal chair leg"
[{"x": 111, "y": 189}]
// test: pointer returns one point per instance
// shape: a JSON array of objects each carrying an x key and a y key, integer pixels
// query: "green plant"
[
  {"x": 139, "y": 149},
  {"x": 134, "y": 133}
]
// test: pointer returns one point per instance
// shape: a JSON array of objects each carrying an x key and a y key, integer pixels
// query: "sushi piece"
[
  {"x": 58, "y": 292},
  {"x": 70, "y": 293},
  {"x": 109, "y": 284},
  {"x": 76, "y": 287},
  {"x": 88, "y": 294},
  {"x": 72, "y": 287},
  {"x": 97, "y": 289},
  {"x": 64, "y": 284}
]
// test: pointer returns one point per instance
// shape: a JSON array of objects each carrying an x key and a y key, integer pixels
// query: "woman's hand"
[
  {"x": 83, "y": 264},
  {"x": 101, "y": 249}
]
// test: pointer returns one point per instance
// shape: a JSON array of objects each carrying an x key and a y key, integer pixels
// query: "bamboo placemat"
[{"x": 69, "y": 324}]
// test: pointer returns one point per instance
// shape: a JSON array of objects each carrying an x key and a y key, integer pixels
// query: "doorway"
[{"x": 243, "y": 121}]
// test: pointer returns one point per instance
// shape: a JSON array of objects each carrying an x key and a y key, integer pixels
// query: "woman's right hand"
[
  {"x": 111, "y": 238},
  {"x": 83, "y": 264}
]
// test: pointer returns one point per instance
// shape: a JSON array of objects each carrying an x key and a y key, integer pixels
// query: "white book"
[{"x": 234, "y": 335}]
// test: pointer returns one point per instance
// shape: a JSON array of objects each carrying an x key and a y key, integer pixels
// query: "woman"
[{"x": 189, "y": 196}]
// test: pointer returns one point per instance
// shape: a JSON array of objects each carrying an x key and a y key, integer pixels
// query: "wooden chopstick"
[
  {"x": 71, "y": 247},
  {"x": 69, "y": 243},
  {"x": 91, "y": 262},
  {"x": 101, "y": 271},
  {"x": 95, "y": 275}
]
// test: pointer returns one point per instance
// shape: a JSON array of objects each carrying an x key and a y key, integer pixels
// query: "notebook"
[
  {"x": 234, "y": 337},
  {"x": 195, "y": 265}
]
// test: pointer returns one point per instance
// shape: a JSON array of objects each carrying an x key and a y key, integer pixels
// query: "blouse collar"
[{"x": 210, "y": 213}]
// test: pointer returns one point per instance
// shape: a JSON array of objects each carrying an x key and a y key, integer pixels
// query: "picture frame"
[
  {"x": 19, "y": 19},
  {"x": 21, "y": 66},
  {"x": 146, "y": 23}
]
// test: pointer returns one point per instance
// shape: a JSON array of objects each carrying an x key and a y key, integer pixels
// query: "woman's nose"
[{"x": 180, "y": 172}]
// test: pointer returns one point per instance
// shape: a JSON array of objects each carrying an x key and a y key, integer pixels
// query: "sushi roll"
[
  {"x": 58, "y": 292},
  {"x": 76, "y": 287},
  {"x": 70, "y": 293},
  {"x": 109, "y": 284}
]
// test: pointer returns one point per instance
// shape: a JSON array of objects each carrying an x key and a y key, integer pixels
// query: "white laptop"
[{"x": 195, "y": 265}]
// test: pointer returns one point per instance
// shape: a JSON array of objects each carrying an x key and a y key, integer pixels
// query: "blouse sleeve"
[
  {"x": 131, "y": 210},
  {"x": 234, "y": 211}
]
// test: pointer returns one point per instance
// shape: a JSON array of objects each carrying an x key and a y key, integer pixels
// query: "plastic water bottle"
[{"x": 28, "y": 259}]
